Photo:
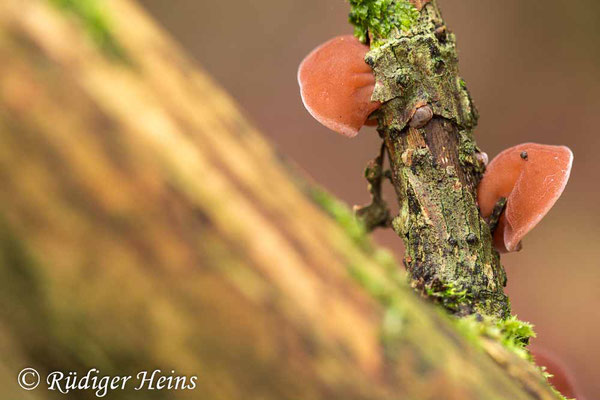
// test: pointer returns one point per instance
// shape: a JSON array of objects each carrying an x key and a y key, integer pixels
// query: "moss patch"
[
  {"x": 512, "y": 333},
  {"x": 96, "y": 24},
  {"x": 380, "y": 17},
  {"x": 449, "y": 296}
]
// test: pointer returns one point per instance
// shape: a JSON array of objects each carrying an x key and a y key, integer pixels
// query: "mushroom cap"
[
  {"x": 336, "y": 85},
  {"x": 531, "y": 177}
]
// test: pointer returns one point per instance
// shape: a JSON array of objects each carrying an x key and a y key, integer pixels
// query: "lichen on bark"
[{"x": 434, "y": 167}]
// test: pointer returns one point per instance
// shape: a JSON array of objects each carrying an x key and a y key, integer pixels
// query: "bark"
[
  {"x": 436, "y": 167},
  {"x": 145, "y": 224}
]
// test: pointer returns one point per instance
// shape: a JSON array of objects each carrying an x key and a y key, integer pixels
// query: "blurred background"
[{"x": 533, "y": 69}]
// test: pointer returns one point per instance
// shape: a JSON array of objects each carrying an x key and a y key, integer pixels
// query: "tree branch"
[{"x": 427, "y": 123}]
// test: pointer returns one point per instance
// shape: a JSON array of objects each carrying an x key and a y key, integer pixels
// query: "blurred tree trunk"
[{"x": 145, "y": 224}]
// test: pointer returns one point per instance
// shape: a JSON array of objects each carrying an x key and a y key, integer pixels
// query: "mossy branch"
[{"x": 434, "y": 166}]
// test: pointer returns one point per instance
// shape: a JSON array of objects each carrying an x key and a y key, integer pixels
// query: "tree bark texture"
[
  {"x": 435, "y": 166},
  {"x": 145, "y": 224}
]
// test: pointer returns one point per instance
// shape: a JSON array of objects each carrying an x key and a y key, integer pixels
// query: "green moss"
[
  {"x": 96, "y": 23},
  {"x": 515, "y": 333},
  {"x": 449, "y": 297},
  {"x": 512, "y": 333},
  {"x": 380, "y": 17}
]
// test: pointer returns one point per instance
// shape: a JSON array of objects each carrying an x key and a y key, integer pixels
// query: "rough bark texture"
[
  {"x": 435, "y": 166},
  {"x": 144, "y": 224}
]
